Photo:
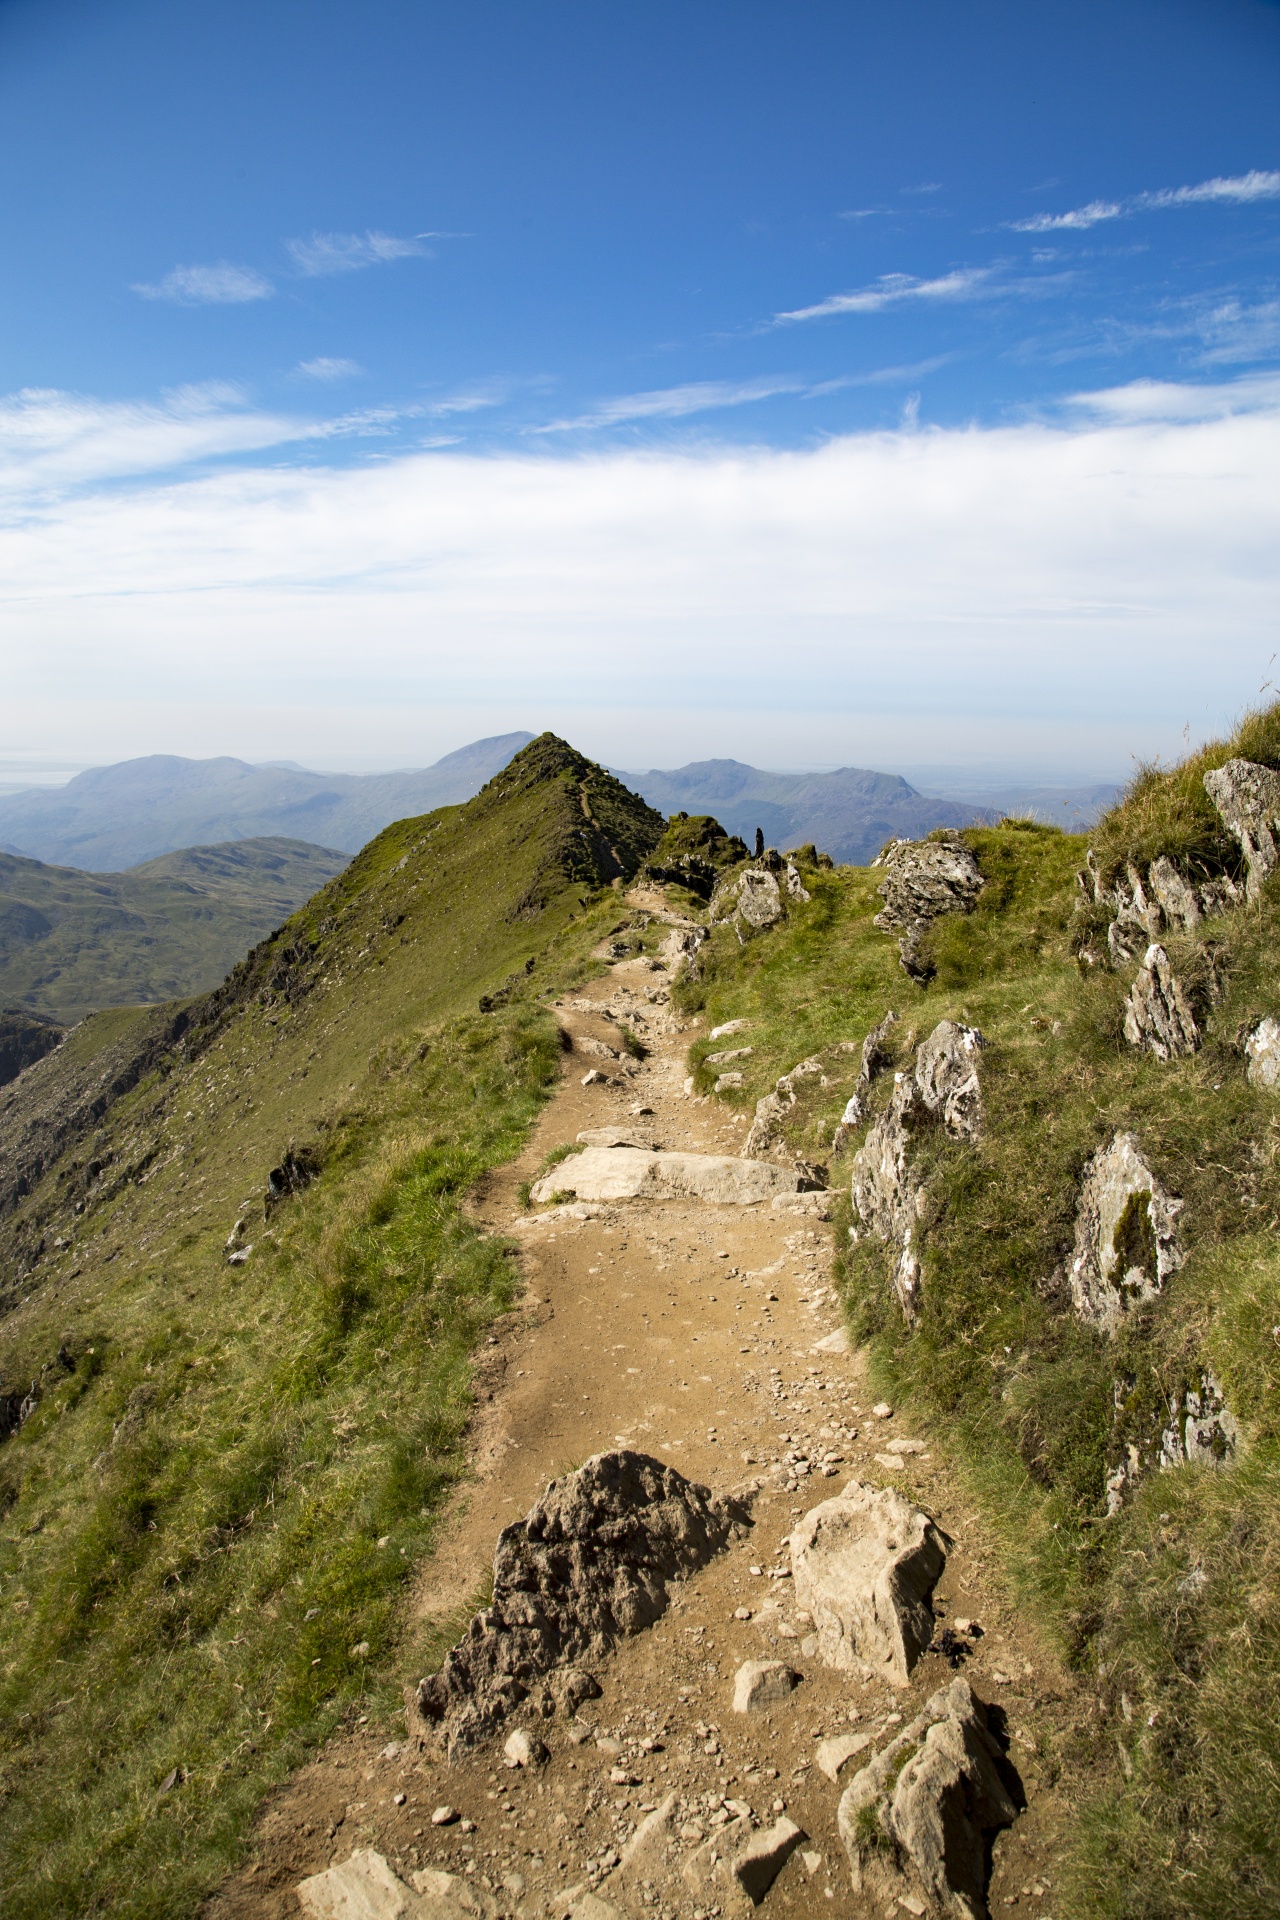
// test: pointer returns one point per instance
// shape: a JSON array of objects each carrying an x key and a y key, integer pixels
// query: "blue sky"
[{"x": 351, "y": 268}]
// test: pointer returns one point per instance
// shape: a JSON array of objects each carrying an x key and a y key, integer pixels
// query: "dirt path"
[{"x": 689, "y": 1332}]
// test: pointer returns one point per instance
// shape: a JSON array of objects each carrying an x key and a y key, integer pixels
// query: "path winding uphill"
[{"x": 705, "y": 1334}]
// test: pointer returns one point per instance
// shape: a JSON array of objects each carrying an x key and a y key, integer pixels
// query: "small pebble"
[{"x": 444, "y": 1816}]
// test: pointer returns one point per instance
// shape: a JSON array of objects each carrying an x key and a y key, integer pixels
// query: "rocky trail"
[{"x": 706, "y": 1335}]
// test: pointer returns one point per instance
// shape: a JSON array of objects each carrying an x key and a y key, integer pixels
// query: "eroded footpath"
[{"x": 707, "y": 1336}]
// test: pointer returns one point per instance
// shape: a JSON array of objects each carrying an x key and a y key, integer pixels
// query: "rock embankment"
[{"x": 925, "y": 879}]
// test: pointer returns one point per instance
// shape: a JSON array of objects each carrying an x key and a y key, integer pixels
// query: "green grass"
[
  {"x": 210, "y": 1522},
  {"x": 1037, "y": 1407}
]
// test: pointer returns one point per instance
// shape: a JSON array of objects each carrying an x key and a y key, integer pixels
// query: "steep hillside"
[
  {"x": 241, "y": 1296},
  {"x": 113, "y": 817},
  {"x": 850, "y": 813},
  {"x": 72, "y": 942},
  {"x": 1070, "y": 1271}
]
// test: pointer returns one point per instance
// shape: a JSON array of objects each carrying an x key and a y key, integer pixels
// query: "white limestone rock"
[
  {"x": 1157, "y": 1015},
  {"x": 864, "y": 1567},
  {"x": 1202, "y": 1429},
  {"x": 1125, "y": 1243},
  {"x": 364, "y": 1887}
]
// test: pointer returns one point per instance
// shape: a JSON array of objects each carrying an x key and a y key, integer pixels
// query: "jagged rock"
[
  {"x": 794, "y": 884},
  {"x": 728, "y": 1053},
  {"x": 1125, "y": 1247},
  {"x": 761, "y": 1684},
  {"x": 875, "y": 1057},
  {"x": 727, "y": 1027},
  {"x": 918, "y": 1818},
  {"x": 947, "y": 1077},
  {"x": 586, "y": 1043},
  {"x": 753, "y": 896},
  {"x": 1157, "y": 1014},
  {"x": 1202, "y": 1428},
  {"x": 630, "y": 1173},
  {"x": 731, "y": 1870},
  {"x": 864, "y": 1567},
  {"x": 887, "y": 1191},
  {"x": 1263, "y": 1050},
  {"x": 925, "y": 879},
  {"x": 364, "y": 1887},
  {"x": 773, "y": 1109},
  {"x": 1143, "y": 911},
  {"x": 725, "y": 1082},
  {"x": 1247, "y": 797},
  {"x": 586, "y": 1567}
]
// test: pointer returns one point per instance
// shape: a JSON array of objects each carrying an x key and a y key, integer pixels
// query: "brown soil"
[{"x": 603, "y": 1355}]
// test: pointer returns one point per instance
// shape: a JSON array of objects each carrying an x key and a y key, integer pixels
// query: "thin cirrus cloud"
[
  {"x": 327, "y": 367},
  {"x": 1241, "y": 189},
  {"x": 706, "y": 396},
  {"x": 219, "y": 285},
  {"x": 965, "y": 283},
  {"x": 327, "y": 253}
]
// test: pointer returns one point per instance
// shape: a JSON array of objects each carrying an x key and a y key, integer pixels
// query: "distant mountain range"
[
  {"x": 111, "y": 818},
  {"x": 849, "y": 813},
  {"x": 71, "y": 942}
]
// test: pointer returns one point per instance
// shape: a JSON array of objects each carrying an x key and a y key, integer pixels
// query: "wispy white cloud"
[
  {"x": 1237, "y": 189},
  {"x": 964, "y": 283},
  {"x": 324, "y": 367},
  {"x": 927, "y": 186},
  {"x": 219, "y": 285},
  {"x": 325, "y": 253},
  {"x": 1177, "y": 402},
  {"x": 860, "y": 213},
  {"x": 674, "y": 403},
  {"x": 994, "y": 576},
  {"x": 1234, "y": 331}
]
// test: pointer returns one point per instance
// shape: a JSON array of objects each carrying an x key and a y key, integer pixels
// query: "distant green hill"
[{"x": 71, "y": 942}]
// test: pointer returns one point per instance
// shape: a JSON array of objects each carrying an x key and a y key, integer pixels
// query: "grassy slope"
[
  {"x": 1175, "y": 1603},
  {"x": 71, "y": 941},
  {"x": 210, "y": 1517}
]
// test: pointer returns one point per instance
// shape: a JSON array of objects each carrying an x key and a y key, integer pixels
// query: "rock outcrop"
[
  {"x": 1247, "y": 797},
  {"x": 1125, "y": 1244},
  {"x": 1165, "y": 902},
  {"x": 925, "y": 879},
  {"x": 887, "y": 1189},
  {"x": 1157, "y": 1015},
  {"x": 1262, "y": 1049},
  {"x": 586, "y": 1567},
  {"x": 916, "y": 1823},
  {"x": 680, "y": 948},
  {"x": 754, "y": 898},
  {"x": 633, "y": 1173},
  {"x": 864, "y": 1567},
  {"x": 772, "y": 1110}
]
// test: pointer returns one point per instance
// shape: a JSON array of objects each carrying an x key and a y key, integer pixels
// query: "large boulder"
[
  {"x": 947, "y": 1077},
  {"x": 632, "y": 1173},
  {"x": 754, "y": 898},
  {"x": 864, "y": 1566},
  {"x": 917, "y": 1822},
  {"x": 364, "y": 1887},
  {"x": 925, "y": 879},
  {"x": 1247, "y": 797},
  {"x": 586, "y": 1567},
  {"x": 1157, "y": 1015},
  {"x": 1125, "y": 1242}
]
